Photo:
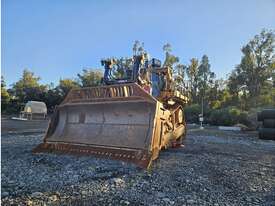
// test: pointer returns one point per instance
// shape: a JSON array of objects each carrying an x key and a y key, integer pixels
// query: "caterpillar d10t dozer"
[{"x": 130, "y": 118}]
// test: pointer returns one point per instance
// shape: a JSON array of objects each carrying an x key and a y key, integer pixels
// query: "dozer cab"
[{"x": 130, "y": 118}]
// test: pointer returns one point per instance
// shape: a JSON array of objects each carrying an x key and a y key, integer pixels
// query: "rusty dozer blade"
[{"x": 117, "y": 121}]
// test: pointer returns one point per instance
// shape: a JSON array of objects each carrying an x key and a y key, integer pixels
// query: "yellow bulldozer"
[{"x": 130, "y": 118}]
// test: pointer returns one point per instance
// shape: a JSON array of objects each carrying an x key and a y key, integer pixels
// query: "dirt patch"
[{"x": 9, "y": 126}]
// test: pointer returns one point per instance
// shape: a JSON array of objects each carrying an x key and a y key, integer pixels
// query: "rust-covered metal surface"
[{"x": 118, "y": 121}]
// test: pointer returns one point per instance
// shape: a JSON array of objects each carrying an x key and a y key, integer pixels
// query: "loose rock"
[
  {"x": 227, "y": 168},
  {"x": 36, "y": 194}
]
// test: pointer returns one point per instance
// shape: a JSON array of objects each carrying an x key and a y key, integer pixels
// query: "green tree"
[
  {"x": 170, "y": 59},
  {"x": 52, "y": 98},
  {"x": 90, "y": 77},
  {"x": 192, "y": 73},
  {"x": 121, "y": 66},
  {"x": 28, "y": 87},
  {"x": 5, "y": 96},
  {"x": 205, "y": 79},
  {"x": 216, "y": 94},
  {"x": 256, "y": 67},
  {"x": 234, "y": 83},
  {"x": 138, "y": 48},
  {"x": 177, "y": 69},
  {"x": 65, "y": 85},
  {"x": 179, "y": 74}
]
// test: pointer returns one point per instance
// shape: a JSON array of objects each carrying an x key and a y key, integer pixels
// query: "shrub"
[
  {"x": 228, "y": 116},
  {"x": 192, "y": 113}
]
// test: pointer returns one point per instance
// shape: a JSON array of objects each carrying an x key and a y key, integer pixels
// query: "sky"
[{"x": 57, "y": 39}]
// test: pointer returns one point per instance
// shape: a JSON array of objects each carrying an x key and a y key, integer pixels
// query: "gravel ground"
[{"x": 213, "y": 168}]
